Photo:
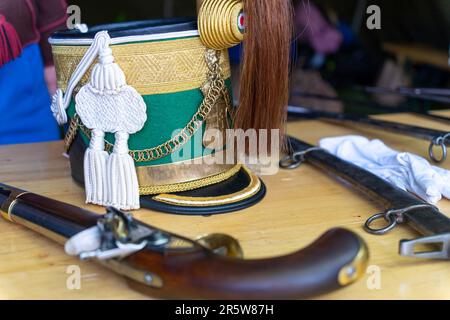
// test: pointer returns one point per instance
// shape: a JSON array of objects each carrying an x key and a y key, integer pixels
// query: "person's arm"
[{"x": 51, "y": 16}]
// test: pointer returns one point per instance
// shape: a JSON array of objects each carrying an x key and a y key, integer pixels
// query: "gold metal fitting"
[
  {"x": 221, "y": 23},
  {"x": 357, "y": 268},
  {"x": 8, "y": 205},
  {"x": 222, "y": 244}
]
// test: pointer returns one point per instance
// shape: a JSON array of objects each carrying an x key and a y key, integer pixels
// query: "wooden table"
[
  {"x": 299, "y": 206},
  {"x": 419, "y": 54}
]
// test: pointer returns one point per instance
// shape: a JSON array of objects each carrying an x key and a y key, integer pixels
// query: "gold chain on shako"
[{"x": 217, "y": 90}]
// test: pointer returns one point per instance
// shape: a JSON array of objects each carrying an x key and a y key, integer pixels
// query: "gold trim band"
[
  {"x": 253, "y": 188},
  {"x": 191, "y": 185},
  {"x": 183, "y": 171},
  {"x": 150, "y": 67}
]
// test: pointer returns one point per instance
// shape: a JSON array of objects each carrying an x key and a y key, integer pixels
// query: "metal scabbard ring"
[
  {"x": 393, "y": 217},
  {"x": 296, "y": 159},
  {"x": 439, "y": 142}
]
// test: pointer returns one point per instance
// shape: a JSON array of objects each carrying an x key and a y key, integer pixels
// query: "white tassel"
[
  {"x": 95, "y": 160},
  {"x": 108, "y": 104},
  {"x": 107, "y": 77},
  {"x": 58, "y": 107},
  {"x": 123, "y": 188},
  {"x": 61, "y": 100}
]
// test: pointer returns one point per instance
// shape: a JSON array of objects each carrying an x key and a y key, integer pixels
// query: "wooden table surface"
[
  {"x": 299, "y": 206},
  {"x": 419, "y": 54}
]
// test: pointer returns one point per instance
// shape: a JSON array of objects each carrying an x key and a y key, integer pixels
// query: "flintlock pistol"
[{"x": 165, "y": 265}]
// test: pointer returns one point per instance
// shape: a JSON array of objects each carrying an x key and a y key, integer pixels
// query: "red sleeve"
[{"x": 51, "y": 15}]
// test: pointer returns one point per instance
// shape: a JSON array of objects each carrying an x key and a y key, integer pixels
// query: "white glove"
[{"x": 405, "y": 170}]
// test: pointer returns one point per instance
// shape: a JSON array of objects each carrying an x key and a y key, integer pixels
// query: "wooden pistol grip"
[{"x": 336, "y": 259}]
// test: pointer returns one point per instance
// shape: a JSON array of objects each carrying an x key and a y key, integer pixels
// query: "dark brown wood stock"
[{"x": 200, "y": 274}]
